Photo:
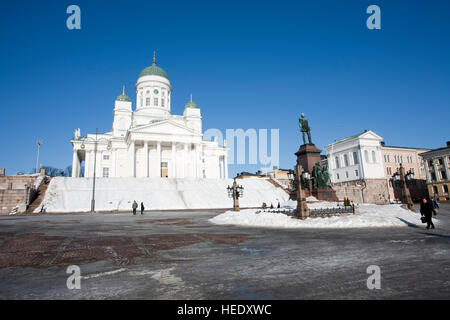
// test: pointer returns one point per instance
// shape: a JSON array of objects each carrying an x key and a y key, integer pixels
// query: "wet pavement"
[{"x": 181, "y": 255}]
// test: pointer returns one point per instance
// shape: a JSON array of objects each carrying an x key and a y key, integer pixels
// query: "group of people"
[
  {"x": 427, "y": 208},
  {"x": 135, "y": 206}
]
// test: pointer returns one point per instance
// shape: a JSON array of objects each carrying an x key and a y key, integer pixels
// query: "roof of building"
[
  {"x": 385, "y": 146},
  {"x": 191, "y": 104},
  {"x": 351, "y": 137},
  {"x": 434, "y": 150},
  {"x": 154, "y": 70},
  {"x": 123, "y": 96}
]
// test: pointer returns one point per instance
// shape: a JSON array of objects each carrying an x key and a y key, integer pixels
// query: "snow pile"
[
  {"x": 66, "y": 194},
  {"x": 370, "y": 215},
  {"x": 38, "y": 182}
]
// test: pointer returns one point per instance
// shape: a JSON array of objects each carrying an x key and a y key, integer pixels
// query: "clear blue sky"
[{"x": 249, "y": 64}]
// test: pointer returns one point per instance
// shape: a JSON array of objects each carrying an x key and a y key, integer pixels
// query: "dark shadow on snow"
[{"x": 409, "y": 224}]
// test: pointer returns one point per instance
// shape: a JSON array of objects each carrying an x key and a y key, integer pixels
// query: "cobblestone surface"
[{"x": 182, "y": 256}]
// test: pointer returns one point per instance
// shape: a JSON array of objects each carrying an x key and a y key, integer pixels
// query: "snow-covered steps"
[{"x": 117, "y": 194}]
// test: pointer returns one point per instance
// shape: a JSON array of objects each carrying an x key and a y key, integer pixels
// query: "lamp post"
[
  {"x": 96, "y": 140},
  {"x": 402, "y": 178},
  {"x": 236, "y": 191},
  {"x": 39, "y": 143},
  {"x": 302, "y": 207}
]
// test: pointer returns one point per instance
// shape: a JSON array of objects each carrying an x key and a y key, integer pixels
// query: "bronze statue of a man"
[{"x": 304, "y": 128}]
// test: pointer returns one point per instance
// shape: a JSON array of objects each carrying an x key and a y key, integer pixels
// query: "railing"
[
  {"x": 321, "y": 212},
  {"x": 331, "y": 211}
]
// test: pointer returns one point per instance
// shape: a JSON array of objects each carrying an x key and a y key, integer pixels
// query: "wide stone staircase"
[{"x": 40, "y": 195}]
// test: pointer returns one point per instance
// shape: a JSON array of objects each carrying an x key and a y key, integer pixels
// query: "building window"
[
  {"x": 337, "y": 176},
  {"x": 443, "y": 175},
  {"x": 366, "y": 155},
  {"x": 430, "y": 163},
  {"x": 163, "y": 164},
  {"x": 435, "y": 190},
  {"x": 338, "y": 164},
  {"x": 433, "y": 176},
  {"x": 355, "y": 158},
  {"x": 345, "y": 160},
  {"x": 356, "y": 173},
  {"x": 346, "y": 174},
  {"x": 156, "y": 101},
  {"x": 204, "y": 173},
  {"x": 374, "y": 157},
  {"x": 401, "y": 159},
  {"x": 445, "y": 188},
  {"x": 389, "y": 170},
  {"x": 105, "y": 172},
  {"x": 147, "y": 101},
  {"x": 162, "y": 102},
  {"x": 386, "y": 158},
  {"x": 105, "y": 157},
  {"x": 441, "y": 162}
]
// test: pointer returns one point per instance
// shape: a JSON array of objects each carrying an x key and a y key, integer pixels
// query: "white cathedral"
[{"x": 150, "y": 141}]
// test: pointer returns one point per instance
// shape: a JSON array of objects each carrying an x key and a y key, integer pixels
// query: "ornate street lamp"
[
  {"x": 302, "y": 207},
  {"x": 401, "y": 178},
  {"x": 236, "y": 191},
  {"x": 108, "y": 147}
]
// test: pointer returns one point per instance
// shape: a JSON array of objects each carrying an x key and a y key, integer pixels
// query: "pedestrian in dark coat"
[
  {"x": 142, "y": 208},
  {"x": 134, "y": 206},
  {"x": 426, "y": 210},
  {"x": 435, "y": 206}
]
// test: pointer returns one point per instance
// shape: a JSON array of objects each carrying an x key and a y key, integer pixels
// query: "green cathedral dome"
[{"x": 154, "y": 70}]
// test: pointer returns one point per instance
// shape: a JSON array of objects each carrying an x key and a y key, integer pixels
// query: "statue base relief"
[{"x": 307, "y": 156}]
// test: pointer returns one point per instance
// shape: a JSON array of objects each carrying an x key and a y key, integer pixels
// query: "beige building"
[
  {"x": 437, "y": 170},
  {"x": 411, "y": 160}
]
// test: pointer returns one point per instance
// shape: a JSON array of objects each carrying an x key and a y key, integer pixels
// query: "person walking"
[
  {"x": 426, "y": 210},
  {"x": 142, "y": 208},
  {"x": 435, "y": 206},
  {"x": 134, "y": 206}
]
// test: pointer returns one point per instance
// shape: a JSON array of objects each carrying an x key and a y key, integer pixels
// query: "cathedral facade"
[{"x": 150, "y": 141}]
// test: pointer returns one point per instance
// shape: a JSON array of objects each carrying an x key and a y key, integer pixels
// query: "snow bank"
[
  {"x": 370, "y": 215},
  {"x": 66, "y": 194}
]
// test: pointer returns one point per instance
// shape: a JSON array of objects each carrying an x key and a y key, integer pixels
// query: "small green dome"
[
  {"x": 191, "y": 104},
  {"x": 123, "y": 96}
]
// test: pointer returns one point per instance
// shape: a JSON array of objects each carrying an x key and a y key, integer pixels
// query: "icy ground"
[{"x": 370, "y": 215}]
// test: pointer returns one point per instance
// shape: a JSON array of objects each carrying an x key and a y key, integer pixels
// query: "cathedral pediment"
[{"x": 164, "y": 127}]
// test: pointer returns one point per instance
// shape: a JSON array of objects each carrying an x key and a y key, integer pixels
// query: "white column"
[
  {"x": 133, "y": 159},
  {"x": 158, "y": 157},
  {"x": 173, "y": 169},
  {"x": 447, "y": 170},
  {"x": 113, "y": 173},
  {"x": 146, "y": 158},
  {"x": 75, "y": 164},
  {"x": 87, "y": 161},
  {"x": 185, "y": 154},
  {"x": 436, "y": 171},
  {"x": 78, "y": 166},
  {"x": 196, "y": 162},
  {"x": 225, "y": 164}
]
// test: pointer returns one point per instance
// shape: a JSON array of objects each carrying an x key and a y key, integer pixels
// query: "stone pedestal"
[{"x": 307, "y": 156}]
